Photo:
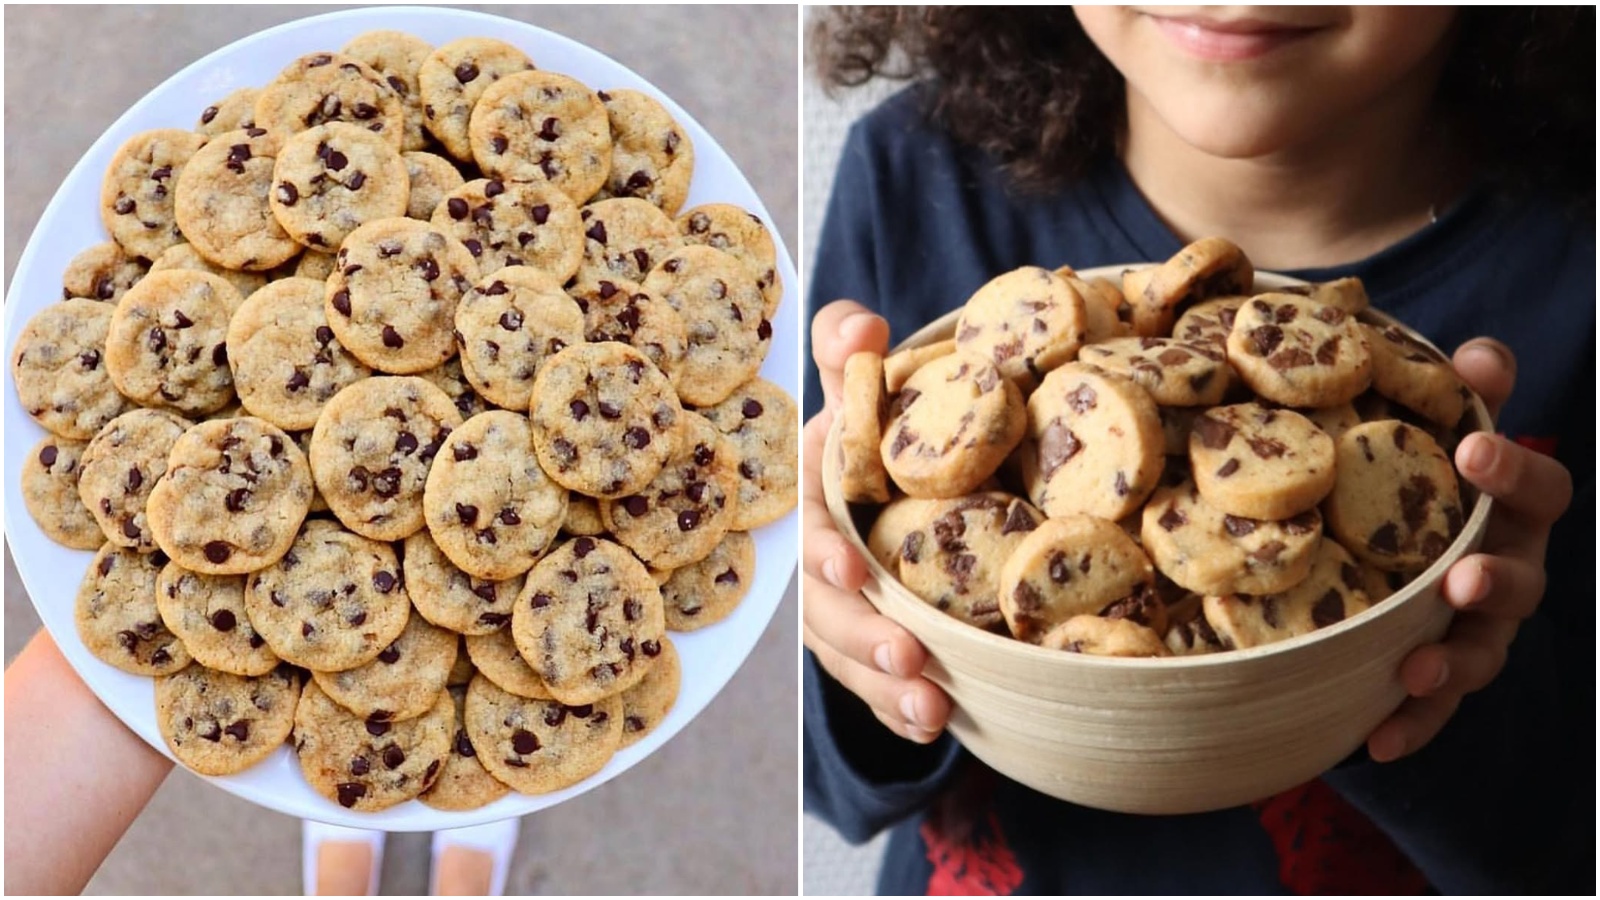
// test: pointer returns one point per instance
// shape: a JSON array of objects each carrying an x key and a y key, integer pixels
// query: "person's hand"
[
  {"x": 869, "y": 654},
  {"x": 1492, "y": 590}
]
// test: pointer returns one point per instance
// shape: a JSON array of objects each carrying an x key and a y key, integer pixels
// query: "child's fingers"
[
  {"x": 1412, "y": 726},
  {"x": 1489, "y": 368},
  {"x": 1534, "y": 487},
  {"x": 1506, "y": 587},
  {"x": 1470, "y": 657},
  {"x": 914, "y": 702},
  {"x": 839, "y": 329},
  {"x": 850, "y": 626}
]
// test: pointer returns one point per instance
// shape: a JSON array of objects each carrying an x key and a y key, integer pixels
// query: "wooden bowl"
[{"x": 1169, "y": 735}]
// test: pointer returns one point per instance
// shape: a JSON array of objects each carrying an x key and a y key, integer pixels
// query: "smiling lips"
[{"x": 1228, "y": 40}]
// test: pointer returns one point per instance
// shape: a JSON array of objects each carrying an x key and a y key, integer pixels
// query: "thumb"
[{"x": 838, "y": 330}]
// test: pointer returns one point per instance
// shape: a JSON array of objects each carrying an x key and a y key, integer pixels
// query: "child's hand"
[
  {"x": 869, "y": 654},
  {"x": 1495, "y": 589}
]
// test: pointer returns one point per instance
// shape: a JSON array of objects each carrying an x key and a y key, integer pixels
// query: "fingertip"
[
  {"x": 1387, "y": 744},
  {"x": 863, "y": 331},
  {"x": 1476, "y": 454},
  {"x": 1467, "y": 582}
]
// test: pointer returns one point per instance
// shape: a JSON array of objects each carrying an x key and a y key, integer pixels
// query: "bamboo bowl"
[{"x": 1171, "y": 735}]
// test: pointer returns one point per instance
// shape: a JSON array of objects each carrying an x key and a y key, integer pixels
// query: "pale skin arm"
[{"x": 76, "y": 777}]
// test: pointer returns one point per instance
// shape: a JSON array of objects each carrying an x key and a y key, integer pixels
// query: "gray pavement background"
[{"x": 716, "y": 810}]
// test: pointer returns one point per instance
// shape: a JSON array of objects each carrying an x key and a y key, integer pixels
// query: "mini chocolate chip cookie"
[
  {"x": 319, "y": 88},
  {"x": 652, "y": 157},
  {"x": 392, "y": 301},
  {"x": 760, "y": 418},
  {"x": 488, "y": 505},
  {"x": 514, "y": 224},
  {"x": 623, "y": 239},
  {"x": 604, "y": 419},
  {"x": 117, "y": 616},
  {"x": 1209, "y": 322},
  {"x": 1260, "y": 463},
  {"x": 1027, "y": 322},
  {"x": 207, "y": 613},
  {"x": 235, "y": 493},
  {"x": 166, "y": 346},
  {"x": 218, "y": 723},
  {"x": 951, "y": 426},
  {"x": 397, "y": 57},
  {"x": 432, "y": 178},
  {"x": 952, "y": 557},
  {"x": 706, "y": 592},
  {"x": 508, "y": 325},
  {"x": 1210, "y": 552},
  {"x": 331, "y": 179},
  {"x": 1332, "y": 593},
  {"x": 589, "y": 620},
  {"x": 1095, "y": 443},
  {"x": 496, "y": 658},
  {"x": 1416, "y": 376},
  {"x": 184, "y": 256},
  {"x": 403, "y": 682},
  {"x": 372, "y": 448},
  {"x": 723, "y": 317},
  {"x": 221, "y": 202},
  {"x": 1107, "y": 314},
  {"x": 137, "y": 194},
  {"x": 686, "y": 510},
  {"x": 541, "y": 126},
  {"x": 898, "y": 367},
  {"x": 894, "y": 524},
  {"x": 623, "y": 311},
  {"x": 739, "y": 233},
  {"x": 50, "y": 474},
  {"x": 1175, "y": 373},
  {"x": 539, "y": 746},
  {"x": 102, "y": 272},
  {"x": 453, "y": 77},
  {"x": 464, "y": 783},
  {"x": 449, "y": 597},
  {"x": 287, "y": 363},
  {"x": 58, "y": 369},
  {"x": 1207, "y": 268},
  {"x": 1069, "y": 566},
  {"x": 235, "y": 111},
  {"x": 647, "y": 703},
  {"x": 1098, "y": 636},
  {"x": 861, "y": 474},
  {"x": 370, "y": 764},
  {"x": 1298, "y": 352},
  {"x": 1396, "y": 503},
  {"x": 334, "y": 601},
  {"x": 120, "y": 468}
]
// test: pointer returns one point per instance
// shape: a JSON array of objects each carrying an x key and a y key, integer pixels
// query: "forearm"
[{"x": 75, "y": 778}]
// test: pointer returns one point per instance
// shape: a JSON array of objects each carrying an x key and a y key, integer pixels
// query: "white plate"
[{"x": 71, "y": 223}]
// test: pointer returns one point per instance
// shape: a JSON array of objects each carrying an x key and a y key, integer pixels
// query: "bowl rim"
[{"x": 919, "y": 617}]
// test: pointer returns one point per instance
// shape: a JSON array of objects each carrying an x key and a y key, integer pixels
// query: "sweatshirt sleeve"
[{"x": 859, "y": 776}]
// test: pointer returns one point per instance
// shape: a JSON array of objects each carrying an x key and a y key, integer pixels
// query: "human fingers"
[
  {"x": 1506, "y": 587},
  {"x": 1468, "y": 659},
  {"x": 1535, "y": 488},
  {"x": 1411, "y": 727},
  {"x": 1489, "y": 368},
  {"x": 839, "y": 329},
  {"x": 916, "y": 704}
]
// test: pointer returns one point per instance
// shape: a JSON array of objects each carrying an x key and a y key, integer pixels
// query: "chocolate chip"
[
  {"x": 47, "y": 455},
  {"x": 238, "y": 155},
  {"x": 911, "y": 548},
  {"x": 1172, "y": 518},
  {"x": 636, "y": 438},
  {"x": 377, "y": 726},
  {"x": 764, "y": 330},
  {"x": 124, "y": 205},
  {"x": 288, "y": 194},
  {"x": 237, "y": 499},
  {"x": 1329, "y": 610},
  {"x": 1414, "y": 499},
  {"x": 89, "y": 359},
  {"x": 509, "y": 516},
  {"x": 465, "y": 72},
  {"x": 208, "y": 114},
  {"x": 1121, "y": 484},
  {"x": 1266, "y": 448},
  {"x": 387, "y": 483},
  {"x": 688, "y": 520},
  {"x": 429, "y": 267},
  {"x": 610, "y": 410},
  {"x": 467, "y": 513},
  {"x": 1304, "y": 523},
  {"x": 1060, "y": 572},
  {"x": 392, "y": 338},
  {"x": 1056, "y": 446},
  {"x": 341, "y": 302},
  {"x": 651, "y": 649},
  {"x": 1268, "y": 552},
  {"x": 1386, "y": 540},
  {"x": 218, "y": 552},
  {"x": 1264, "y": 339}
]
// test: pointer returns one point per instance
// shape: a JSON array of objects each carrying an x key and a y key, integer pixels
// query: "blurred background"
[{"x": 716, "y": 810}]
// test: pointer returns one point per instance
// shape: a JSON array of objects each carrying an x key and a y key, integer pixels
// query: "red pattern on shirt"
[{"x": 1326, "y": 846}]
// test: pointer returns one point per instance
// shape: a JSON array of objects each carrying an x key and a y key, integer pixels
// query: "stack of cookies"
[
  {"x": 1169, "y": 466},
  {"x": 407, "y": 412}
]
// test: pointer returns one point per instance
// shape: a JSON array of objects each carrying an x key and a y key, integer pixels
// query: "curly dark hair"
[{"x": 1027, "y": 86}]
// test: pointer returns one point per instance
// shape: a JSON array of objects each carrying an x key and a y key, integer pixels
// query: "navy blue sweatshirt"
[{"x": 1502, "y": 801}]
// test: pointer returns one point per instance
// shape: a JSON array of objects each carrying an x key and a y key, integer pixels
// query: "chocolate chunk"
[
  {"x": 1329, "y": 351},
  {"x": 1018, "y": 519},
  {"x": 1237, "y": 526},
  {"x": 1214, "y": 434},
  {"x": 1120, "y": 485},
  {"x": 1266, "y": 448},
  {"x": 1268, "y": 552},
  {"x": 1291, "y": 358},
  {"x": 903, "y": 438},
  {"x": 1434, "y": 544},
  {"x": 1400, "y": 435},
  {"x": 1386, "y": 540},
  {"x": 1366, "y": 447},
  {"x": 1304, "y": 523},
  {"x": 1173, "y": 518},
  {"x": 1329, "y": 610},
  {"x": 1082, "y": 399},
  {"x": 1060, "y": 572},
  {"x": 1264, "y": 339},
  {"x": 911, "y": 548},
  {"x": 1056, "y": 446}
]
